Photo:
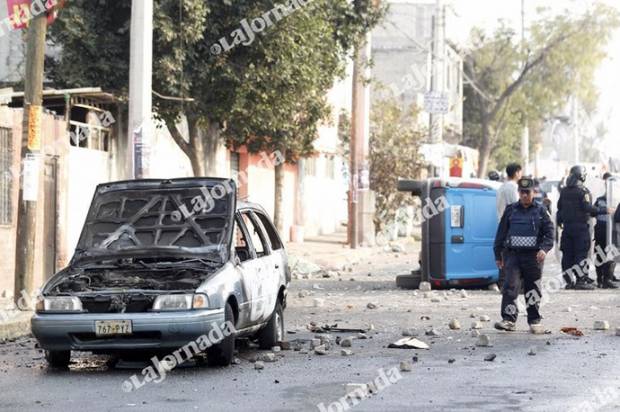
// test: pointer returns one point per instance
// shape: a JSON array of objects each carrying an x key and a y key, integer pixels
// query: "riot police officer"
[
  {"x": 575, "y": 210},
  {"x": 523, "y": 239},
  {"x": 605, "y": 271}
]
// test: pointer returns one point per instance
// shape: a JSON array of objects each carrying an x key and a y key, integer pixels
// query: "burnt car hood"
[{"x": 188, "y": 218}]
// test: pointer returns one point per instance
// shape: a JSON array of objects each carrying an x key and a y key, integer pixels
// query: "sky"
[{"x": 465, "y": 14}]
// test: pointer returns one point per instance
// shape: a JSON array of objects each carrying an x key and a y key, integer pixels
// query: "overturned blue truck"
[{"x": 457, "y": 242}]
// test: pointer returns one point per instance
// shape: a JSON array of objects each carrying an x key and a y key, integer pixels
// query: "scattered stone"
[
  {"x": 424, "y": 317},
  {"x": 427, "y": 295},
  {"x": 236, "y": 361},
  {"x": 317, "y": 287},
  {"x": 371, "y": 305},
  {"x": 425, "y": 287},
  {"x": 267, "y": 357},
  {"x": 483, "y": 341},
  {"x": 303, "y": 351},
  {"x": 302, "y": 293},
  {"x": 464, "y": 294},
  {"x": 318, "y": 302},
  {"x": 537, "y": 329},
  {"x": 435, "y": 300},
  {"x": 568, "y": 309},
  {"x": 432, "y": 332},
  {"x": 314, "y": 343},
  {"x": 475, "y": 333},
  {"x": 454, "y": 324},
  {"x": 362, "y": 336},
  {"x": 285, "y": 345},
  {"x": 476, "y": 325},
  {"x": 346, "y": 352},
  {"x": 415, "y": 293},
  {"x": 320, "y": 350},
  {"x": 532, "y": 351},
  {"x": 451, "y": 360},
  {"x": 601, "y": 325},
  {"x": 490, "y": 357},
  {"x": 485, "y": 318},
  {"x": 494, "y": 288},
  {"x": 398, "y": 249},
  {"x": 357, "y": 390},
  {"x": 259, "y": 365},
  {"x": 405, "y": 366},
  {"x": 276, "y": 349},
  {"x": 346, "y": 342},
  {"x": 473, "y": 316},
  {"x": 409, "y": 332}
]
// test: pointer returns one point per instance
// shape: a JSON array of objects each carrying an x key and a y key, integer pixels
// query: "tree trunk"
[
  {"x": 278, "y": 215},
  {"x": 485, "y": 150},
  {"x": 203, "y": 147}
]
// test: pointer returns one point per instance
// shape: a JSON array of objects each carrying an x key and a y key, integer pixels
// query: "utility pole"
[
  {"x": 31, "y": 158},
  {"x": 525, "y": 136},
  {"x": 438, "y": 68},
  {"x": 361, "y": 198},
  {"x": 140, "y": 88}
]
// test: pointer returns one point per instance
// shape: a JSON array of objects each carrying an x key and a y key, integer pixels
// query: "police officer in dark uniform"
[
  {"x": 605, "y": 271},
  {"x": 523, "y": 239},
  {"x": 575, "y": 210}
]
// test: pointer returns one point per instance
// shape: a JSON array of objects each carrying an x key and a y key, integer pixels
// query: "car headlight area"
[
  {"x": 59, "y": 304},
  {"x": 167, "y": 303}
]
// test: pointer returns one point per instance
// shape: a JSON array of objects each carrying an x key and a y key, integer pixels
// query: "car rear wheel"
[
  {"x": 58, "y": 358},
  {"x": 273, "y": 332},
  {"x": 222, "y": 353}
]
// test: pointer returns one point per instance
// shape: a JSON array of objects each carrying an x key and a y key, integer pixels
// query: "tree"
[
  {"x": 512, "y": 85},
  {"x": 394, "y": 153},
  {"x": 268, "y": 94}
]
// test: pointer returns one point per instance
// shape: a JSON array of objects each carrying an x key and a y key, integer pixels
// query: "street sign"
[{"x": 436, "y": 103}]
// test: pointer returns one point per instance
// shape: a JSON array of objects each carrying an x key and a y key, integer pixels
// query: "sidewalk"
[
  {"x": 331, "y": 252},
  {"x": 13, "y": 323}
]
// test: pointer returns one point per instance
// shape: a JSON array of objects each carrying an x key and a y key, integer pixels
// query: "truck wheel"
[
  {"x": 409, "y": 281},
  {"x": 222, "y": 353},
  {"x": 58, "y": 358},
  {"x": 273, "y": 332}
]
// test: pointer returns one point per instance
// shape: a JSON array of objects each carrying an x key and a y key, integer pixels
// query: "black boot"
[
  {"x": 609, "y": 284},
  {"x": 583, "y": 284},
  {"x": 599, "y": 281},
  {"x": 569, "y": 282}
]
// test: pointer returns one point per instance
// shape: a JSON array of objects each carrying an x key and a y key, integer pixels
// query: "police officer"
[
  {"x": 605, "y": 271},
  {"x": 523, "y": 239},
  {"x": 575, "y": 210}
]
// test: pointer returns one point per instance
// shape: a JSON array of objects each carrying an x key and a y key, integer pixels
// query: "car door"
[
  {"x": 256, "y": 272},
  {"x": 278, "y": 254}
]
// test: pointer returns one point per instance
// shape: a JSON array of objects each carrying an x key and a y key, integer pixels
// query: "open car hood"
[{"x": 150, "y": 218}]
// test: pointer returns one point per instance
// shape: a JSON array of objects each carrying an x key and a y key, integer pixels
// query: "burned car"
[{"x": 160, "y": 263}]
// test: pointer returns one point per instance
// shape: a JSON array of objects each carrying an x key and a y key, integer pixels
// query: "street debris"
[
  {"x": 490, "y": 357},
  {"x": 346, "y": 352},
  {"x": 267, "y": 357},
  {"x": 318, "y": 302},
  {"x": 601, "y": 325},
  {"x": 532, "y": 351},
  {"x": 432, "y": 332},
  {"x": 476, "y": 325},
  {"x": 572, "y": 331},
  {"x": 454, "y": 324},
  {"x": 484, "y": 341},
  {"x": 371, "y": 305},
  {"x": 475, "y": 333},
  {"x": 259, "y": 365},
  {"x": 537, "y": 329},
  {"x": 435, "y": 300},
  {"x": 408, "y": 343},
  {"x": 405, "y": 366},
  {"x": 357, "y": 390},
  {"x": 320, "y": 350},
  {"x": 346, "y": 342},
  {"x": 451, "y": 361},
  {"x": 464, "y": 294},
  {"x": 485, "y": 318},
  {"x": 425, "y": 287},
  {"x": 494, "y": 288}
]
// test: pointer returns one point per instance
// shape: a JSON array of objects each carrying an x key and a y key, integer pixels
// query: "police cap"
[{"x": 526, "y": 184}]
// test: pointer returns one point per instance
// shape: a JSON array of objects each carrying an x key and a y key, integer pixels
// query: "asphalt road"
[{"x": 566, "y": 373}]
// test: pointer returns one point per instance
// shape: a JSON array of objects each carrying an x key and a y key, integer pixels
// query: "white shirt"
[{"x": 507, "y": 194}]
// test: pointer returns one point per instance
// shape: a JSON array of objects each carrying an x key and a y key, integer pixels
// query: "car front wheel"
[
  {"x": 273, "y": 332},
  {"x": 58, "y": 358},
  {"x": 222, "y": 353}
]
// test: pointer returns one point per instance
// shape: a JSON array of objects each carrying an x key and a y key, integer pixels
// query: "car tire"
[
  {"x": 222, "y": 353},
  {"x": 58, "y": 359},
  {"x": 409, "y": 281},
  {"x": 273, "y": 332}
]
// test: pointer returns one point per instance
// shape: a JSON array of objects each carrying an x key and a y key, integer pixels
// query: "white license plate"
[{"x": 112, "y": 327}]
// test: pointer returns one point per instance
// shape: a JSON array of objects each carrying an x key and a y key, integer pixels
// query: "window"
[
  {"x": 256, "y": 235},
  {"x": 6, "y": 178},
  {"x": 311, "y": 166},
  {"x": 242, "y": 249},
  {"x": 274, "y": 239},
  {"x": 234, "y": 166}
]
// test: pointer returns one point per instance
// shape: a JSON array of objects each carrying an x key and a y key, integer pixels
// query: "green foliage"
[
  {"x": 395, "y": 139},
  {"x": 517, "y": 84},
  {"x": 268, "y": 95}
]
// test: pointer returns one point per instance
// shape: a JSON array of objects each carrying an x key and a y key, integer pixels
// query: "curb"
[{"x": 16, "y": 326}]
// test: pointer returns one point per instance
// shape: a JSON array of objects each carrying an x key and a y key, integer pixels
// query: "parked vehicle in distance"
[{"x": 160, "y": 263}]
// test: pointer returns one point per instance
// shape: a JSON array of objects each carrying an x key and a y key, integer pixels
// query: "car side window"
[
  {"x": 272, "y": 234},
  {"x": 256, "y": 235},
  {"x": 242, "y": 247}
]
